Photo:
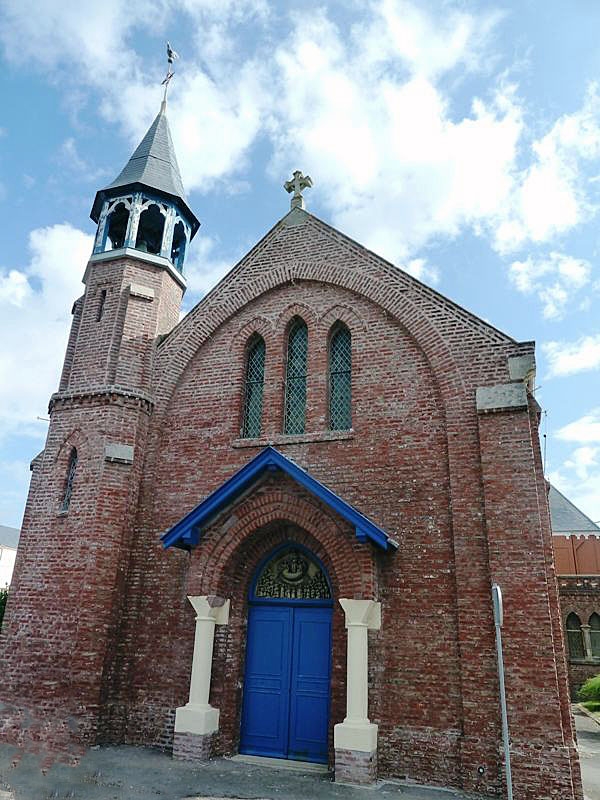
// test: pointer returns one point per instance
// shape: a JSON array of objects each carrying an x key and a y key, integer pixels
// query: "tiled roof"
[
  {"x": 153, "y": 165},
  {"x": 9, "y": 537},
  {"x": 566, "y": 517}
]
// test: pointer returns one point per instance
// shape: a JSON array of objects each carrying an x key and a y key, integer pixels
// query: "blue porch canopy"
[{"x": 187, "y": 532}]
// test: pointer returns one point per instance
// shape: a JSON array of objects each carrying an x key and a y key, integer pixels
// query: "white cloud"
[
  {"x": 35, "y": 314},
  {"x": 420, "y": 269},
  {"x": 365, "y": 108},
  {"x": 568, "y": 358},
  {"x": 203, "y": 270},
  {"x": 550, "y": 194},
  {"x": 555, "y": 279},
  {"x": 585, "y": 430},
  {"x": 578, "y": 477},
  {"x": 14, "y": 288},
  {"x": 579, "y": 480}
]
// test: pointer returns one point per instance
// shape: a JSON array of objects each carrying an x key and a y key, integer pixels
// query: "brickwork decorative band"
[{"x": 102, "y": 395}]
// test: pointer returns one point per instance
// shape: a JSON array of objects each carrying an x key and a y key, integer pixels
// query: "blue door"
[{"x": 286, "y": 690}]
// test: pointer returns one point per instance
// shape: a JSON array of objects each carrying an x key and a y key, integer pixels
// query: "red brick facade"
[{"x": 98, "y": 638}]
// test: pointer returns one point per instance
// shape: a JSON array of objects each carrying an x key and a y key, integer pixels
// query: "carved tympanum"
[{"x": 292, "y": 575}]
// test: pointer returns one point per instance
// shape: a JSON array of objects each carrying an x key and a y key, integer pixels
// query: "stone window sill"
[
  {"x": 299, "y": 438},
  {"x": 586, "y": 661}
]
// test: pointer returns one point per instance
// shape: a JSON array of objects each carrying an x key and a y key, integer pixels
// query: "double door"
[{"x": 285, "y": 710}]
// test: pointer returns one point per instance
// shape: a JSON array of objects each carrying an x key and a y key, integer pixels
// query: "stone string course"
[{"x": 97, "y": 640}]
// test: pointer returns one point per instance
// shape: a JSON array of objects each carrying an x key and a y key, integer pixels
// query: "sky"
[{"x": 458, "y": 139}]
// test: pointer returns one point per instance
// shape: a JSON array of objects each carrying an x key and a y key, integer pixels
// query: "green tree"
[{"x": 590, "y": 689}]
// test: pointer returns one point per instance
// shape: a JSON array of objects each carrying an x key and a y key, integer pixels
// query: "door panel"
[
  {"x": 266, "y": 688},
  {"x": 309, "y": 685},
  {"x": 286, "y": 688}
]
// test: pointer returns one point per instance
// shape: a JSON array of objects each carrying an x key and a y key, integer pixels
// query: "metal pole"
[{"x": 498, "y": 619}]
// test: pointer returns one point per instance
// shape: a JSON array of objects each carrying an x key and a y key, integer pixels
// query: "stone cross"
[{"x": 296, "y": 185}]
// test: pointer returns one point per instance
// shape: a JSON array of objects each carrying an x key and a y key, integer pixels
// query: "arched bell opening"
[
  {"x": 179, "y": 246},
  {"x": 150, "y": 230},
  {"x": 117, "y": 223},
  {"x": 286, "y": 697}
]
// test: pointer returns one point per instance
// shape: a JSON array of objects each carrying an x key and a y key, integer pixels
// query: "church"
[{"x": 272, "y": 528}]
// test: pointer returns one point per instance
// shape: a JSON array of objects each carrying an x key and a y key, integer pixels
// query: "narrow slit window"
[
  {"x": 295, "y": 378},
  {"x": 253, "y": 390},
  {"x": 101, "y": 302},
  {"x": 575, "y": 637},
  {"x": 72, "y": 469},
  {"x": 340, "y": 379},
  {"x": 594, "y": 623}
]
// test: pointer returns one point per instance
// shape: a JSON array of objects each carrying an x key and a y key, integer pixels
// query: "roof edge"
[{"x": 186, "y": 533}]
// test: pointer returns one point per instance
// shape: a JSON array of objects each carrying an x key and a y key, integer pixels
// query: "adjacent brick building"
[
  {"x": 324, "y": 446},
  {"x": 576, "y": 541}
]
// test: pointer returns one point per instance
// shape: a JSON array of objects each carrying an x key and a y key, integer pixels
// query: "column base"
[
  {"x": 196, "y": 719},
  {"x": 355, "y": 753},
  {"x": 193, "y": 746},
  {"x": 356, "y": 767}
]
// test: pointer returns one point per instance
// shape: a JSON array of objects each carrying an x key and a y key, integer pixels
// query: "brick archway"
[{"x": 225, "y": 563}]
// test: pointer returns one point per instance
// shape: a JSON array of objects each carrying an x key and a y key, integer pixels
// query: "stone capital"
[
  {"x": 363, "y": 613},
  {"x": 211, "y": 608}
]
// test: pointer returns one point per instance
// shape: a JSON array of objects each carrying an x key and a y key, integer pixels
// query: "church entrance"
[{"x": 285, "y": 711}]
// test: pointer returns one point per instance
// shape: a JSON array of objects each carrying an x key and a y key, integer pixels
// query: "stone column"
[
  {"x": 197, "y": 721},
  {"x": 587, "y": 642},
  {"x": 99, "y": 241},
  {"x": 355, "y": 739},
  {"x": 134, "y": 219},
  {"x": 167, "y": 240}
]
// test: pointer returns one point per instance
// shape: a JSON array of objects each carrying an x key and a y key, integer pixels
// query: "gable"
[
  {"x": 187, "y": 533},
  {"x": 300, "y": 247}
]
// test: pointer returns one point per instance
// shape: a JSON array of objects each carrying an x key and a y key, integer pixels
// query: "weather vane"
[{"x": 171, "y": 56}]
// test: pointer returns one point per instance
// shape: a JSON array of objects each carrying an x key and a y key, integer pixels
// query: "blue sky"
[{"x": 461, "y": 140}]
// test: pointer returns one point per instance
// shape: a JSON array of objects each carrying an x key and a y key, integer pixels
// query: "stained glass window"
[
  {"x": 594, "y": 623},
  {"x": 340, "y": 379},
  {"x": 295, "y": 379},
  {"x": 70, "y": 480},
  {"x": 253, "y": 390},
  {"x": 292, "y": 575},
  {"x": 575, "y": 637}
]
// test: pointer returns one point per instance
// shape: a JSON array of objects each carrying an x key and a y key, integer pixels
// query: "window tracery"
[
  {"x": 71, "y": 470},
  {"x": 295, "y": 380},
  {"x": 575, "y": 636},
  {"x": 253, "y": 390},
  {"x": 340, "y": 379}
]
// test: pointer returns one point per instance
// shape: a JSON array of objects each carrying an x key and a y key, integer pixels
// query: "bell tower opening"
[
  {"x": 117, "y": 226},
  {"x": 150, "y": 230},
  {"x": 178, "y": 246}
]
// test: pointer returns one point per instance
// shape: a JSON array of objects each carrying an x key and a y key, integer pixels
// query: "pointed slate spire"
[{"x": 152, "y": 166}]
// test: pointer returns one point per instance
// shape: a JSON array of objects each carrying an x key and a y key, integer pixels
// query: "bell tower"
[{"x": 59, "y": 634}]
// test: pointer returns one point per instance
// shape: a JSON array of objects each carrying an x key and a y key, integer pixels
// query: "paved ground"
[
  {"x": 588, "y": 744},
  {"x": 127, "y": 773}
]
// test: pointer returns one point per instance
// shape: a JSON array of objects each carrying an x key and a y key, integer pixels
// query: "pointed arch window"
[
  {"x": 295, "y": 377},
  {"x": 71, "y": 470},
  {"x": 594, "y": 623},
  {"x": 253, "y": 389},
  {"x": 575, "y": 636},
  {"x": 340, "y": 378}
]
